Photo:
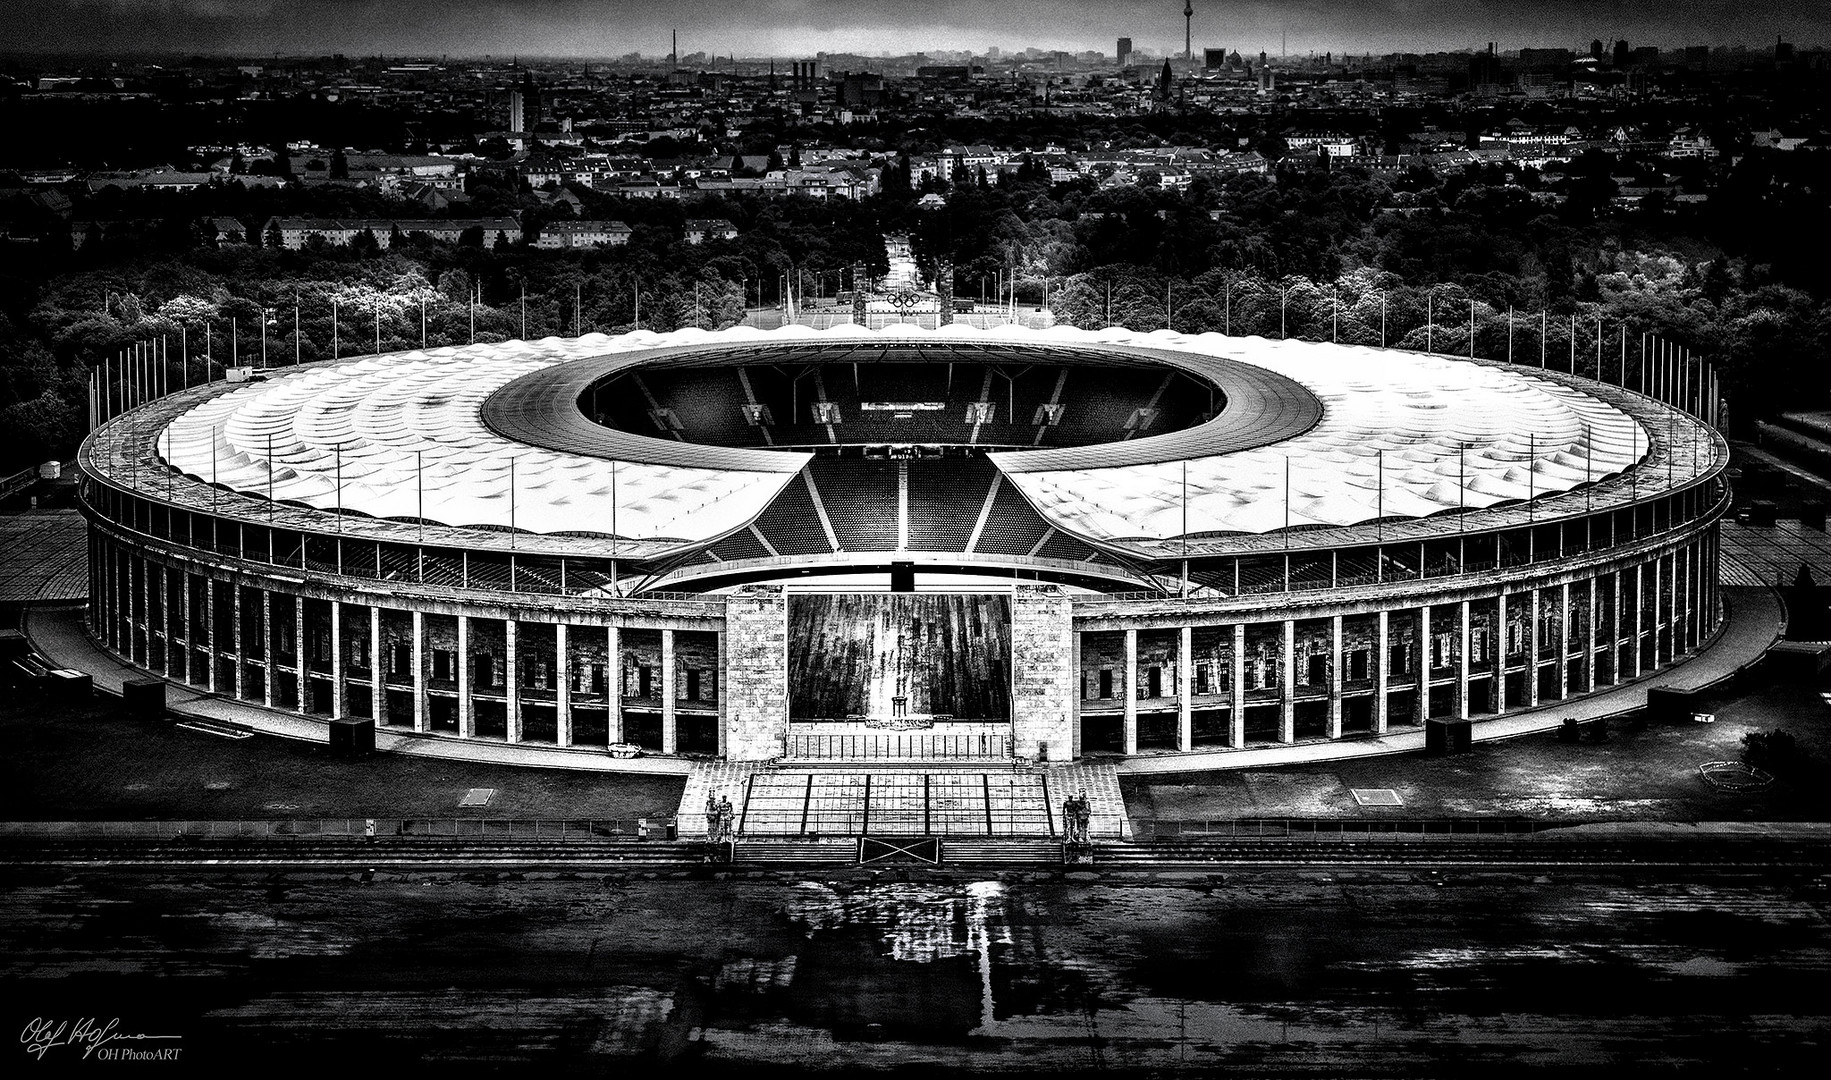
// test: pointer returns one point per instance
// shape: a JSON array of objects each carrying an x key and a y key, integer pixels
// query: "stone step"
[
  {"x": 837, "y": 851},
  {"x": 1003, "y": 852}
]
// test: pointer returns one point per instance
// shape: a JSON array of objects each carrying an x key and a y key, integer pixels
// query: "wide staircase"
[{"x": 962, "y": 811}]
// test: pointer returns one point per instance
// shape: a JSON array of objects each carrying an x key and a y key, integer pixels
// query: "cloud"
[{"x": 588, "y": 28}]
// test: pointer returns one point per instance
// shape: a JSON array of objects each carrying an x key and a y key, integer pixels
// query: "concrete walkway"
[
  {"x": 1754, "y": 621},
  {"x": 58, "y": 634}
]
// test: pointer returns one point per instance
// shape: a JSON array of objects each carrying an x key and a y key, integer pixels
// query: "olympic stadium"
[{"x": 905, "y": 547}]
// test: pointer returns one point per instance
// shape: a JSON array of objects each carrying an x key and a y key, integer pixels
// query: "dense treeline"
[{"x": 1317, "y": 254}]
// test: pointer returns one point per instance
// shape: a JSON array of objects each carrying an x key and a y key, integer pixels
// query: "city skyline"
[{"x": 580, "y": 29}]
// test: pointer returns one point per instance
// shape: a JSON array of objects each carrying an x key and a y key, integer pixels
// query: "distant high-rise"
[
  {"x": 517, "y": 112},
  {"x": 1621, "y": 53},
  {"x": 1125, "y": 51}
]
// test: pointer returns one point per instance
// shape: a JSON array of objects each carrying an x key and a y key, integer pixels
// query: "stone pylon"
[
  {"x": 944, "y": 288},
  {"x": 859, "y": 283}
]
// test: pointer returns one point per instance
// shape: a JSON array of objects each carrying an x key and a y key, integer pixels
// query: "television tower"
[{"x": 1188, "y": 36}]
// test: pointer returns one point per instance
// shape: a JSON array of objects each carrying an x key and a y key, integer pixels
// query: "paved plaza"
[
  {"x": 1772, "y": 554},
  {"x": 43, "y": 556}
]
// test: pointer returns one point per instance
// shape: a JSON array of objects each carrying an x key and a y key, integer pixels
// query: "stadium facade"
[{"x": 1207, "y": 542}]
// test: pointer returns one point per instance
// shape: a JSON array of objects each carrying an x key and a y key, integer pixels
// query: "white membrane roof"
[
  {"x": 399, "y": 436},
  {"x": 1402, "y": 435}
]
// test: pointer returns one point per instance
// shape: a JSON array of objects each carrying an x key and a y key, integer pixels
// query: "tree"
[
  {"x": 1776, "y": 750},
  {"x": 340, "y": 165}
]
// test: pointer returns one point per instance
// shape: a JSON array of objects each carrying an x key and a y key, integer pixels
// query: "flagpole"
[
  {"x": 1532, "y": 457},
  {"x": 615, "y": 540}
]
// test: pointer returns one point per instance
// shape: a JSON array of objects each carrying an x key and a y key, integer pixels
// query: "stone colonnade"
[
  {"x": 1187, "y": 676},
  {"x": 1089, "y": 674},
  {"x": 568, "y": 679}
]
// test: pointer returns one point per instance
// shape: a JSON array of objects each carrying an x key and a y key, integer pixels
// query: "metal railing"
[
  {"x": 973, "y": 821},
  {"x": 18, "y": 482},
  {"x": 564, "y": 829},
  {"x": 1344, "y": 829},
  {"x": 899, "y": 748}
]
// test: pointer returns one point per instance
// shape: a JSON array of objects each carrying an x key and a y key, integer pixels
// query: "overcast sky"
[{"x": 785, "y": 28}]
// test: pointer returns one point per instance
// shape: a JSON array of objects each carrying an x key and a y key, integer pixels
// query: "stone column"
[
  {"x": 467, "y": 712},
  {"x": 1185, "y": 686},
  {"x": 1335, "y": 677},
  {"x": 1614, "y": 635},
  {"x": 613, "y": 683},
  {"x": 1589, "y": 644},
  {"x": 1658, "y": 576},
  {"x": 1532, "y": 652},
  {"x": 1382, "y": 657},
  {"x": 165, "y": 624},
  {"x": 104, "y": 596},
  {"x": 213, "y": 637},
  {"x": 1423, "y": 663},
  {"x": 722, "y": 697},
  {"x": 670, "y": 689},
  {"x": 1236, "y": 721},
  {"x": 562, "y": 707},
  {"x": 1131, "y": 692},
  {"x": 1074, "y": 666},
  {"x": 339, "y": 706},
  {"x": 1045, "y": 679},
  {"x": 241, "y": 646},
  {"x": 1462, "y": 661},
  {"x": 1498, "y": 696},
  {"x": 1287, "y": 689},
  {"x": 756, "y": 722},
  {"x": 420, "y": 719},
  {"x": 1563, "y": 641},
  {"x": 511, "y": 680},
  {"x": 268, "y": 657},
  {"x": 299, "y": 653},
  {"x": 378, "y": 682}
]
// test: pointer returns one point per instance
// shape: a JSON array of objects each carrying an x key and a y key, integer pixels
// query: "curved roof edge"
[
  {"x": 1261, "y": 407},
  {"x": 542, "y": 409}
]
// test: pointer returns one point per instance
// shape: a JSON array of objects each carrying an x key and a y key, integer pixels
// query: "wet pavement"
[{"x": 1276, "y": 972}]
